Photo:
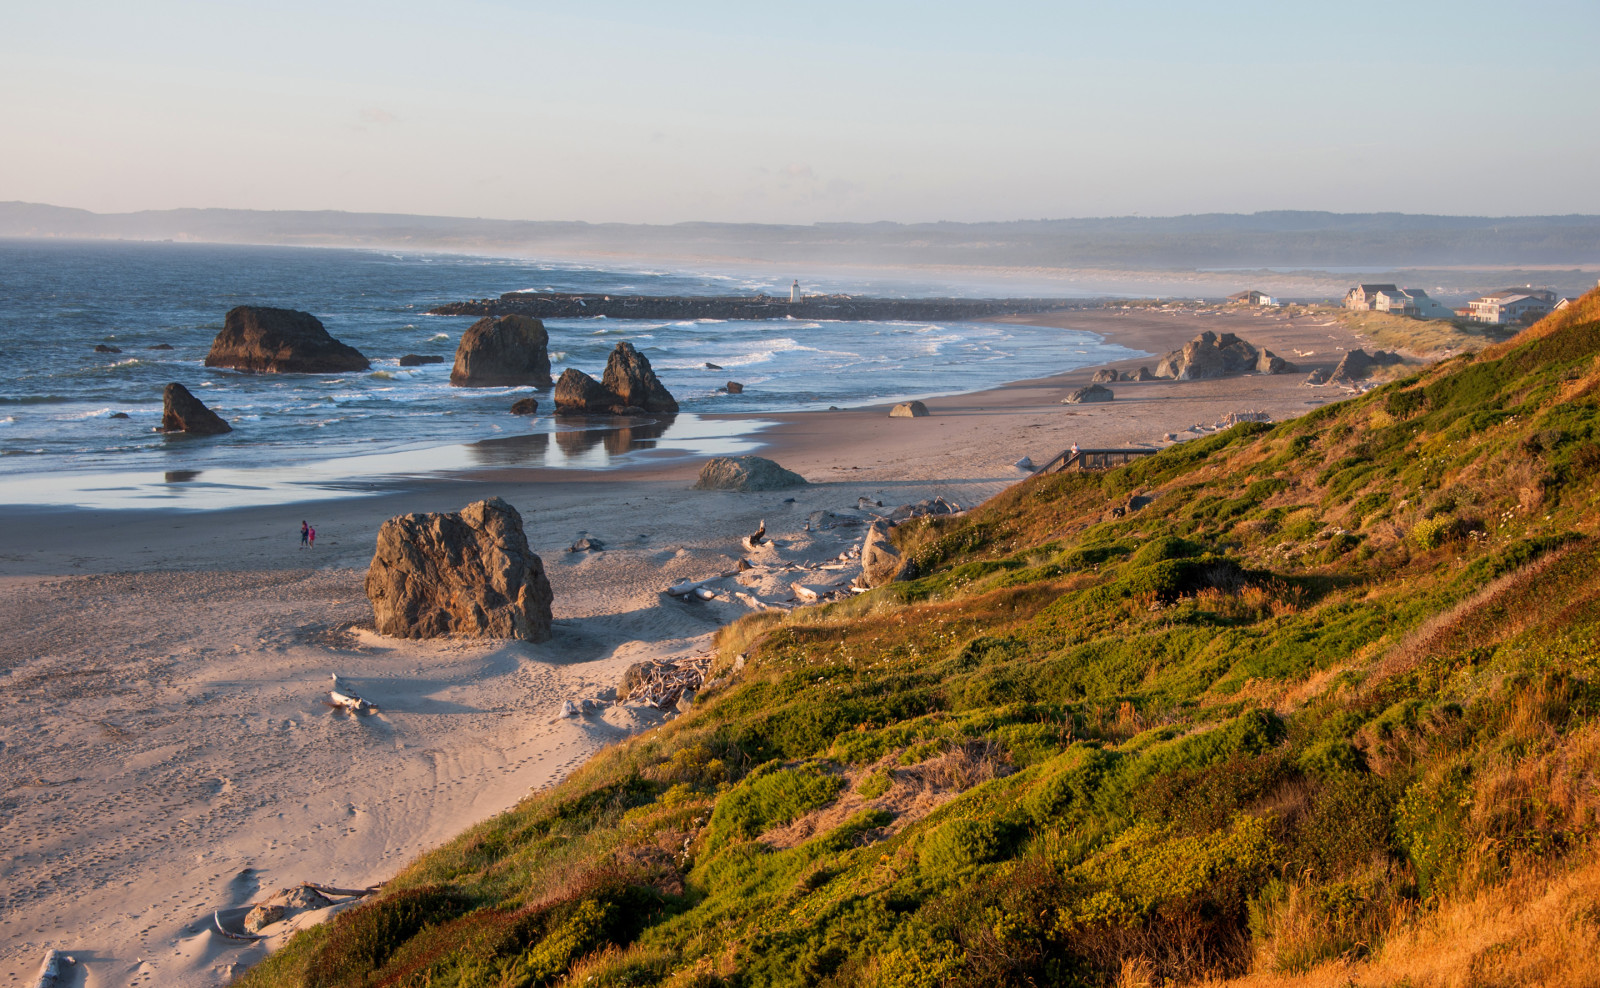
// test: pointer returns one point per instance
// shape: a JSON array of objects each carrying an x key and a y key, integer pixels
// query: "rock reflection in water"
[{"x": 616, "y": 437}]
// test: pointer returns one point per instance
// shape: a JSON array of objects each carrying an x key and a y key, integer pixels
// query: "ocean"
[{"x": 298, "y": 436}]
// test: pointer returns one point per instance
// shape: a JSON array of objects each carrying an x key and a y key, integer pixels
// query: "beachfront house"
[
  {"x": 1252, "y": 297},
  {"x": 1400, "y": 301},
  {"x": 1512, "y": 306},
  {"x": 1362, "y": 297}
]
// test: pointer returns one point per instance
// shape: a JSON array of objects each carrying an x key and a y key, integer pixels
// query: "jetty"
[{"x": 570, "y": 305}]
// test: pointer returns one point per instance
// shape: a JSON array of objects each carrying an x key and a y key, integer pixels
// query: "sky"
[{"x": 802, "y": 113}]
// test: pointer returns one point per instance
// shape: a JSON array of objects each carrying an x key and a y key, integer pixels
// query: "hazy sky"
[{"x": 660, "y": 112}]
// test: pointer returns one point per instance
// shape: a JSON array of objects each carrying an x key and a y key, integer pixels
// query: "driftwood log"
[{"x": 52, "y": 970}]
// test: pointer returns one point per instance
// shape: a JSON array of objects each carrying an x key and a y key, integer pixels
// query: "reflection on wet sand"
[
  {"x": 181, "y": 476},
  {"x": 590, "y": 446}
]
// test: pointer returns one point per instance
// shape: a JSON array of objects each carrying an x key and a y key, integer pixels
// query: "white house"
[
  {"x": 1511, "y": 305},
  {"x": 1400, "y": 301}
]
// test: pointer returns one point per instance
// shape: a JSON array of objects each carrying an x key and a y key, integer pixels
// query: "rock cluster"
[
  {"x": 183, "y": 412},
  {"x": 1092, "y": 393},
  {"x": 745, "y": 473},
  {"x": 508, "y": 352},
  {"x": 471, "y": 573},
  {"x": 280, "y": 341},
  {"x": 1210, "y": 356},
  {"x": 909, "y": 410},
  {"x": 1357, "y": 364},
  {"x": 628, "y": 387}
]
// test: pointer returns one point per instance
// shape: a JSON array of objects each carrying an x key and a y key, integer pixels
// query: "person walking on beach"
[
  {"x": 305, "y": 534},
  {"x": 311, "y": 537}
]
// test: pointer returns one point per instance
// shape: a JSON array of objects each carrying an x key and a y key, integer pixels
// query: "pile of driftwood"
[{"x": 661, "y": 684}]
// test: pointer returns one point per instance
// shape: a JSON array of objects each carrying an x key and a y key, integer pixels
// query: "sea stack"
[
  {"x": 280, "y": 341},
  {"x": 183, "y": 412},
  {"x": 469, "y": 573},
  {"x": 629, "y": 376},
  {"x": 504, "y": 352}
]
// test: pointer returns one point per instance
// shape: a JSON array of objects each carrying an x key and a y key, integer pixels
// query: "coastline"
[{"x": 162, "y": 723}]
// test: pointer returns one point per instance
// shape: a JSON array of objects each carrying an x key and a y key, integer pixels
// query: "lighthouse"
[{"x": 794, "y": 292}]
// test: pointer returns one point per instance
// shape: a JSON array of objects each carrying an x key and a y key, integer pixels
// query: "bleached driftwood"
[
  {"x": 52, "y": 970},
  {"x": 343, "y": 698},
  {"x": 755, "y": 538},
  {"x": 216, "y": 917},
  {"x": 660, "y": 685}
]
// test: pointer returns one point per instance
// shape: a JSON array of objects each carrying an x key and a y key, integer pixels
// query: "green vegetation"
[{"x": 1339, "y": 676}]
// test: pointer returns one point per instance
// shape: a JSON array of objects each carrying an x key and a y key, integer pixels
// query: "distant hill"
[
  {"x": 1315, "y": 703},
  {"x": 1311, "y": 240}
]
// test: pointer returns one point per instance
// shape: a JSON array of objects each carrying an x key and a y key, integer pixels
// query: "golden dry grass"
[{"x": 1541, "y": 928}]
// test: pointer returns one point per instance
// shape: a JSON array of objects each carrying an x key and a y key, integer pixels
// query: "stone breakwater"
[{"x": 565, "y": 305}]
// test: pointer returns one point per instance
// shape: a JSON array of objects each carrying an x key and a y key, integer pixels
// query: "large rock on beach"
[
  {"x": 469, "y": 573},
  {"x": 280, "y": 341},
  {"x": 628, "y": 375},
  {"x": 1200, "y": 359},
  {"x": 183, "y": 412},
  {"x": 577, "y": 393},
  {"x": 503, "y": 352},
  {"x": 1104, "y": 375},
  {"x": 745, "y": 473},
  {"x": 1270, "y": 363},
  {"x": 1353, "y": 366},
  {"x": 881, "y": 562},
  {"x": 909, "y": 410},
  {"x": 1092, "y": 393}
]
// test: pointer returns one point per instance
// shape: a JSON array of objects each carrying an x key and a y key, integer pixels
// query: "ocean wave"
[
  {"x": 383, "y": 375},
  {"x": 439, "y": 336}
]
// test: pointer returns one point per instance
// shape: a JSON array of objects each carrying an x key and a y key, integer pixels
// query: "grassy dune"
[{"x": 1317, "y": 706}]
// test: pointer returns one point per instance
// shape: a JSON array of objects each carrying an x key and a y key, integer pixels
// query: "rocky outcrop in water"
[
  {"x": 280, "y": 341},
  {"x": 629, "y": 387},
  {"x": 629, "y": 376},
  {"x": 745, "y": 473},
  {"x": 469, "y": 573},
  {"x": 511, "y": 351},
  {"x": 568, "y": 305},
  {"x": 418, "y": 359},
  {"x": 525, "y": 406},
  {"x": 577, "y": 393},
  {"x": 183, "y": 412}
]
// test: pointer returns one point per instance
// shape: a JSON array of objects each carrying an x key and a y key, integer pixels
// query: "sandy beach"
[{"x": 163, "y": 735}]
